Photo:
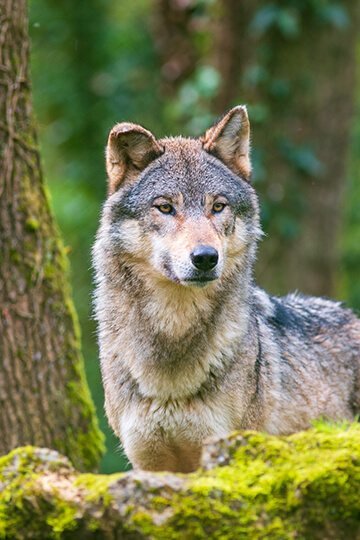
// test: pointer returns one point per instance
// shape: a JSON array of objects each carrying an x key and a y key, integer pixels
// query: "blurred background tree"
[{"x": 174, "y": 66}]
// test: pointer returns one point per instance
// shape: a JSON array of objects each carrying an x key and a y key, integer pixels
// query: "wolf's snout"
[{"x": 204, "y": 258}]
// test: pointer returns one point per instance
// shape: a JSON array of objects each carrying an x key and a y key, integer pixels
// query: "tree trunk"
[
  {"x": 302, "y": 82},
  {"x": 174, "y": 25},
  {"x": 251, "y": 486},
  {"x": 44, "y": 399},
  {"x": 234, "y": 49}
]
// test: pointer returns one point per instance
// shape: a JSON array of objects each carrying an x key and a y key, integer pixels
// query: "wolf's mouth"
[
  {"x": 202, "y": 279},
  {"x": 198, "y": 282}
]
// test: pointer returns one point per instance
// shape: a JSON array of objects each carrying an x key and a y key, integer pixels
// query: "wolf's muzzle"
[{"x": 204, "y": 258}]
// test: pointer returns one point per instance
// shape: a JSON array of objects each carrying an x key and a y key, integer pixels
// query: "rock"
[{"x": 250, "y": 485}]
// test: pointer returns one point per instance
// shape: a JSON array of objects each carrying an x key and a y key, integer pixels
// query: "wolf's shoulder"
[{"x": 304, "y": 314}]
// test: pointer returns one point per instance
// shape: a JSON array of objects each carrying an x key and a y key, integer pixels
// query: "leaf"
[
  {"x": 288, "y": 22},
  {"x": 264, "y": 18},
  {"x": 336, "y": 15}
]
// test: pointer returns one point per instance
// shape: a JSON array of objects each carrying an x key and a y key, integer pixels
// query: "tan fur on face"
[{"x": 184, "y": 240}]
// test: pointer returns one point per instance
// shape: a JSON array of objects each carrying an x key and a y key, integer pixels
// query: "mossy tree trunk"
[
  {"x": 296, "y": 65},
  {"x": 44, "y": 399}
]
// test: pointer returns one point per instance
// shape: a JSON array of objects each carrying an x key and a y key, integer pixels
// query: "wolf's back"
[{"x": 311, "y": 352}]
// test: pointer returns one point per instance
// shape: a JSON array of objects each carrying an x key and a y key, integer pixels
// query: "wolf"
[{"x": 189, "y": 346}]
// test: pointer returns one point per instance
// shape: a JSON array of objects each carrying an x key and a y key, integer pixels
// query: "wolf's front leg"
[{"x": 157, "y": 454}]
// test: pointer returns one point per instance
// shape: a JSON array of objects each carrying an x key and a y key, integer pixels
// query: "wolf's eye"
[
  {"x": 218, "y": 207},
  {"x": 165, "y": 208}
]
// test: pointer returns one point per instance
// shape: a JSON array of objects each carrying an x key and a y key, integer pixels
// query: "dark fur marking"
[
  {"x": 258, "y": 364},
  {"x": 216, "y": 379},
  {"x": 122, "y": 210},
  {"x": 130, "y": 386},
  {"x": 301, "y": 320},
  {"x": 210, "y": 386},
  {"x": 286, "y": 319},
  {"x": 135, "y": 199}
]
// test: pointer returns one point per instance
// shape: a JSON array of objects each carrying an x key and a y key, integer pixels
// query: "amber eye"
[
  {"x": 218, "y": 207},
  {"x": 165, "y": 208}
]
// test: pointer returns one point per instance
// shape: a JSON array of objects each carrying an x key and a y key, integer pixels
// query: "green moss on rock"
[
  {"x": 25, "y": 510},
  {"x": 251, "y": 485}
]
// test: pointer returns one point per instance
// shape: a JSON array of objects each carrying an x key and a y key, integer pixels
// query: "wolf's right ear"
[
  {"x": 129, "y": 150},
  {"x": 229, "y": 140}
]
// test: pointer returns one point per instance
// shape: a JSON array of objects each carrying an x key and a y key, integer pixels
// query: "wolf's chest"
[{"x": 176, "y": 427}]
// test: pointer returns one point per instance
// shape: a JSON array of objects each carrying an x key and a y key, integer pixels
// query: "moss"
[
  {"x": 20, "y": 471},
  {"x": 274, "y": 488},
  {"x": 15, "y": 256},
  {"x": 84, "y": 442},
  {"x": 97, "y": 487},
  {"x": 86, "y": 446},
  {"x": 32, "y": 224},
  {"x": 305, "y": 486},
  {"x": 90, "y": 446}
]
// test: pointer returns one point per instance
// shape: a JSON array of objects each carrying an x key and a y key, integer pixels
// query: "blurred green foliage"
[
  {"x": 95, "y": 63},
  {"x": 191, "y": 109},
  {"x": 285, "y": 16}
]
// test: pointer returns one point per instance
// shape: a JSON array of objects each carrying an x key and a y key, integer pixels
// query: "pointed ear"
[
  {"x": 229, "y": 140},
  {"x": 129, "y": 151}
]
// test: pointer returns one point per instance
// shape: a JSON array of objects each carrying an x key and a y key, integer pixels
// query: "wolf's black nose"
[{"x": 204, "y": 257}]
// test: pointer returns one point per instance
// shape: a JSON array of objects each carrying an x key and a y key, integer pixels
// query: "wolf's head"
[{"x": 182, "y": 209}]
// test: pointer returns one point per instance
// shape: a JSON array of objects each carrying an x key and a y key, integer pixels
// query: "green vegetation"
[{"x": 251, "y": 486}]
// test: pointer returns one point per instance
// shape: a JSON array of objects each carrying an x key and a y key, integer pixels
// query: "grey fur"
[{"x": 188, "y": 353}]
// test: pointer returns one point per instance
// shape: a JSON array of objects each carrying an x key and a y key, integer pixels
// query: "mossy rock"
[{"x": 251, "y": 485}]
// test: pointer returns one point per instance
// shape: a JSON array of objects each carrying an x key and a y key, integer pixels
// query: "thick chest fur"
[
  {"x": 170, "y": 435},
  {"x": 165, "y": 393},
  {"x": 167, "y": 361}
]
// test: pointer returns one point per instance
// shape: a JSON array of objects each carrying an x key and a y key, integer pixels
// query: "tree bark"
[
  {"x": 251, "y": 485},
  {"x": 234, "y": 49},
  {"x": 44, "y": 399},
  {"x": 174, "y": 25}
]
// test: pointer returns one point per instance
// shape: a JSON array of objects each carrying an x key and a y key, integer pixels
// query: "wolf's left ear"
[
  {"x": 229, "y": 141},
  {"x": 130, "y": 149}
]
